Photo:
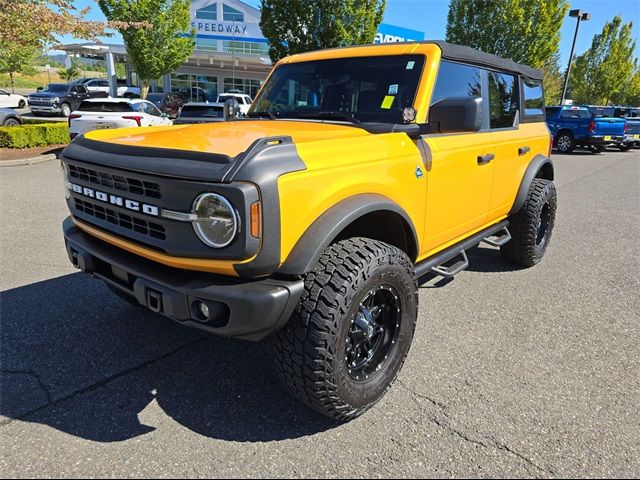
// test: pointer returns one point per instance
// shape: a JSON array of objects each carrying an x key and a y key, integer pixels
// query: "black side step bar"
[
  {"x": 500, "y": 238},
  {"x": 434, "y": 264}
]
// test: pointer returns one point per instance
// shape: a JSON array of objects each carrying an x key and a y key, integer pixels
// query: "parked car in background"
[
  {"x": 102, "y": 85},
  {"x": 12, "y": 100},
  {"x": 632, "y": 116},
  {"x": 574, "y": 126},
  {"x": 200, "y": 113},
  {"x": 115, "y": 113},
  {"x": 605, "y": 114},
  {"x": 61, "y": 98},
  {"x": 244, "y": 101},
  {"x": 169, "y": 103},
  {"x": 9, "y": 117}
]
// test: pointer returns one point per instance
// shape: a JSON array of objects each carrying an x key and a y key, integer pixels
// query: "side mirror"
[
  {"x": 456, "y": 114},
  {"x": 231, "y": 109}
]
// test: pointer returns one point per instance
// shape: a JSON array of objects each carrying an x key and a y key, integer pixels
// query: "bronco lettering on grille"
[{"x": 116, "y": 200}]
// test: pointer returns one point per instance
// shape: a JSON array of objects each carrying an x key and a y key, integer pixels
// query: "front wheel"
[
  {"x": 532, "y": 225},
  {"x": 11, "y": 122},
  {"x": 351, "y": 331},
  {"x": 22, "y": 104},
  {"x": 65, "y": 110}
]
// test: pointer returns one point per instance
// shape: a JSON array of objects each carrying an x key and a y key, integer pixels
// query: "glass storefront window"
[
  {"x": 206, "y": 44},
  {"x": 230, "y": 14},
  {"x": 245, "y": 48},
  {"x": 195, "y": 88},
  {"x": 247, "y": 86}
]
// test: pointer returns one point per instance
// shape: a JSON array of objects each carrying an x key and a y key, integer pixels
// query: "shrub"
[{"x": 26, "y": 136}]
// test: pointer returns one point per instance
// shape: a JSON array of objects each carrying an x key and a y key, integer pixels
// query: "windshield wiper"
[
  {"x": 347, "y": 117},
  {"x": 264, "y": 114}
]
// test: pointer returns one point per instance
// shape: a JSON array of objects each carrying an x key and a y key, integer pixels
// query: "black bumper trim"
[{"x": 253, "y": 309}]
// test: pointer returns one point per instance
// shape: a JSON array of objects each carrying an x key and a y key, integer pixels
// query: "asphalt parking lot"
[{"x": 512, "y": 372}]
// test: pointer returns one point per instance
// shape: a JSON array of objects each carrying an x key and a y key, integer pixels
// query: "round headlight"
[{"x": 216, "y": 222}]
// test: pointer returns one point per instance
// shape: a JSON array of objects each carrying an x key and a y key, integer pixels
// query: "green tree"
[
  {"x": 296, "y": 26},
  {"x": 605, "y": 71},
  {"x": 16, "y": 58},
  {"x": 162, "y": 47},
  {"x": 525, "y": 31},
  {"x": 72, "y": 72}
]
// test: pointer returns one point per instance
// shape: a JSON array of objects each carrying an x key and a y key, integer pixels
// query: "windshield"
[
  {"x": 201, "y": 111},
  {"x": 55, "y": 87},
  {"x": 360, "y": 89}
]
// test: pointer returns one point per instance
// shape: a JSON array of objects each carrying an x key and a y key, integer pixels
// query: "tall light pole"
[{"x": 580, "y": 15}]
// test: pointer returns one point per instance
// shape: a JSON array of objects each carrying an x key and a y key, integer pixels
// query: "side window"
[
  {"x": 503, "y": 100},
  {"x": 457, "y": 80},
  {"x": 532, "y": 97},
  {"x": 103, "y": 83}
]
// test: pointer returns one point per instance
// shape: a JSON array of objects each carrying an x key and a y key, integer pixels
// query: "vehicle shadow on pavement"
[{"x": 78, "y": 359}]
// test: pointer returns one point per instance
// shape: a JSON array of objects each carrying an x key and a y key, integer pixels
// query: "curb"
[{"x": 28, "y": 161}]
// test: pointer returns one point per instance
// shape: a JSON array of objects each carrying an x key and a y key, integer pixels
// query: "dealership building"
[{"x": 230, "y": 53}]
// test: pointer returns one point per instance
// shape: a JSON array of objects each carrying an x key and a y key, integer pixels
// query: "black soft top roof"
[{"x": 460, "y": 53}]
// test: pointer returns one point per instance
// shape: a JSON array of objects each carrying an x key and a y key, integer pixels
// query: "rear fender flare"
[{"x": 539, "y": 167}]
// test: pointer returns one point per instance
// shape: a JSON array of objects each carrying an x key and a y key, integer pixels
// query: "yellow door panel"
[
  {"x": 458, "y": 188},
  {"x": 510, "y": 165}
]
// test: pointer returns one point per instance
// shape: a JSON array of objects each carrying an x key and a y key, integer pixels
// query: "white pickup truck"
[
  {"x": 244, "y": 101},
  {"x": 102, "y": 85}
]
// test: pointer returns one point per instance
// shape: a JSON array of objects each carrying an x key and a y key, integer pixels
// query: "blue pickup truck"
[
  {"x": 632, "y": 116},
  {"x": 573, "y": 126}
]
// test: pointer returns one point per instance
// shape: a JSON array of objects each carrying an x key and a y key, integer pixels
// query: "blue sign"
[{"x": 391, "y": 33}]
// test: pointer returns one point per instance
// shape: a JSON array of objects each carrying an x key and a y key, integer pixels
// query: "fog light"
[{"x": 203, "y": 308}]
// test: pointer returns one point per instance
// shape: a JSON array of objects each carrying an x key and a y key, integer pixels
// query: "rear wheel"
[
  {"x": 625, "y": 147},
  {"x": 565, "y": 142},
  {"x": 597, "y": 148},
  {"x": 352, "y": 329},
  {"x": 531, "y": 227}
]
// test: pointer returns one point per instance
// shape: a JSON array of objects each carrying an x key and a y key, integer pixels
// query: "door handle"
[
  {"x": 484, "y": 159},
  {"x": 523, "y": 150}
]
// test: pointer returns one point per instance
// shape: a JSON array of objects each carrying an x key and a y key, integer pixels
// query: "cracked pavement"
[{"x": 513, "y": 373}]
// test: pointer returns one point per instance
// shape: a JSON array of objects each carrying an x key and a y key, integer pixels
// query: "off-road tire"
[
  {"x": 528, "y": 239},
  {"x": 565, "y": 143},
  {"x": 310, "y": 351}
]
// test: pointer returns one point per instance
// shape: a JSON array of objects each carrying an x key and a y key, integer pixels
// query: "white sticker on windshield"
[
  {"x": 410, "y": 65},
  {"x": 393, "y": 89}
]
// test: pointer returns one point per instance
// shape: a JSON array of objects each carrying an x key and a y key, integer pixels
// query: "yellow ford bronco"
[{"x": 357, "y": 172}]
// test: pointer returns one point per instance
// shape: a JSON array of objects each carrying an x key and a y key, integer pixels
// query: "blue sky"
[{"x": 430, "y": 16}]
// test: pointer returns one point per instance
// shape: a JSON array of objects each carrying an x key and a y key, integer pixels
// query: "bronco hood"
[
  {"x": 225, "y": 138},
  {"x": 209, "y": 152}
]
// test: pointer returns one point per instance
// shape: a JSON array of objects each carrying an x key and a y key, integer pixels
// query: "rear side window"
[
  {"x": 551, "y": 111},
  {"x": 532, "y": 97},
  {"x": 503, "y": 100},
  {"x": 457, "y": 80},
  {"x": 105, "y": 107}
]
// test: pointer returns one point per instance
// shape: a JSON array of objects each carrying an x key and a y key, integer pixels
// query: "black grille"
[
  {"x": 126, "y": 221},
  {"x": 119, "y": 182}
]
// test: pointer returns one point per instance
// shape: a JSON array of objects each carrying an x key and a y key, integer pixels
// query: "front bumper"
[
  {"x": 245, "y": 309},
  {"x": 45, "y": 108}
]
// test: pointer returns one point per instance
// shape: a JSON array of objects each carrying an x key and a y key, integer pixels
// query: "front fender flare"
[{"x": 327, "y": 227}]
